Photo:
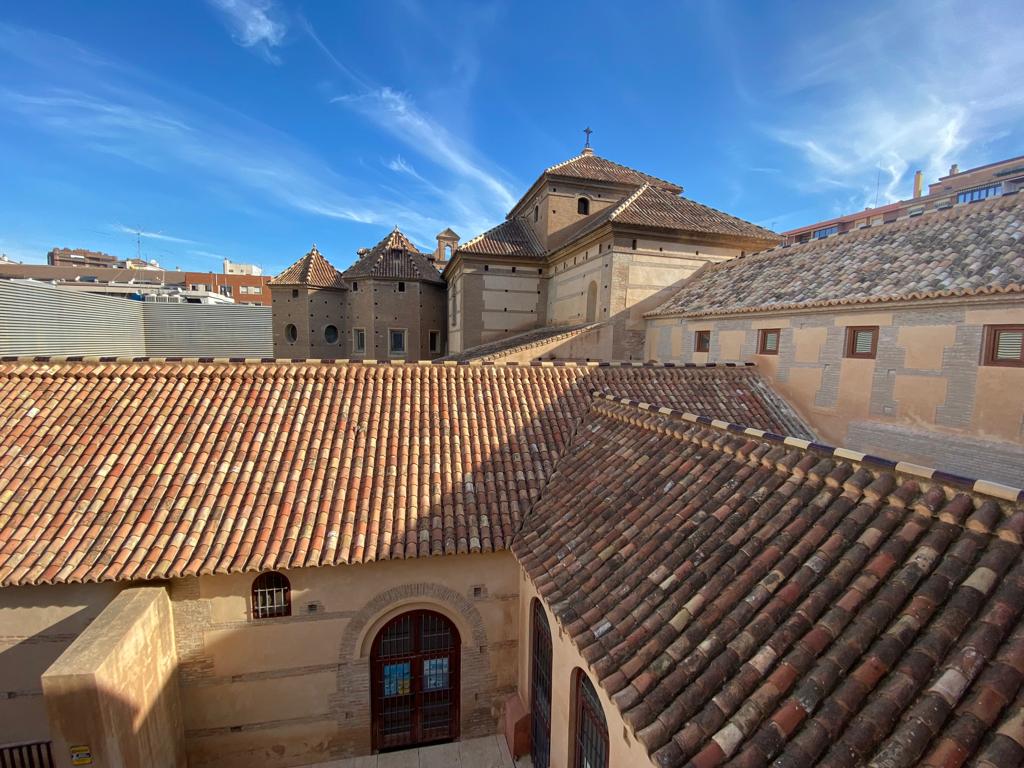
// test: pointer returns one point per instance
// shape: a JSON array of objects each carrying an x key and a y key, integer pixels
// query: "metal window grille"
[
  {"x": 540, "y": 690},
  {"x": 415, "y": 666},
  {"x": 271, "y": 596},
  {"x": 591, "y": 727},
  {"x": 32, "y": 755}
]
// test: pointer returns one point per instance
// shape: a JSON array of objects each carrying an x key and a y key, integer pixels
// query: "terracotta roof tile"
[
  {"x": 513, "y": 237},
  {"x": 312, "y": 270},
  {"x": 591, "y": 167},
  {"x": 976, "y": 248},
  {"x": 137, "y": 470},
  {"x": 396, "y": 257},
  {"x": 749, "y": 600},
  {"x": 651, "y": 207}
]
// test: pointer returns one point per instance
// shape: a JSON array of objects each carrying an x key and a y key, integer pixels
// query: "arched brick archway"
[{"x": 351, "y": 703}]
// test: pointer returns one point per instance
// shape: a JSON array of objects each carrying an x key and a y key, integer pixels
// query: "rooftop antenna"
[
  {"x": 138, "y": 244},
  {"x": 878, "y": 180}
]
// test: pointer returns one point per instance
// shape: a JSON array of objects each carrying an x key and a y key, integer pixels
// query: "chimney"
[
  {"x": 954, "y": 169},
  {"x": 918, "y": 183}
]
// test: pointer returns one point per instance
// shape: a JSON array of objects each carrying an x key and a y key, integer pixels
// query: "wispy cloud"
[
  {"x": 396, "y": 113},
  {"x": 254, "y": 24},
  {"x": 152, "y": 235},
  {"x": 901, "y": 89},
  {"x": 110, "y": 108}
]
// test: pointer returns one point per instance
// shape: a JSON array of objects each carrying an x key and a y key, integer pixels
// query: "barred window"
[
  {"x": 591, "y": 738},
  {"x": 271, "y": 596}
]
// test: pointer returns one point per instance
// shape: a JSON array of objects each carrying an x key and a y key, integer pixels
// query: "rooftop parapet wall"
[{"x": 114, "y": 692}]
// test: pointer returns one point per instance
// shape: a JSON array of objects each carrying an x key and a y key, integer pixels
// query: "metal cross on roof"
[{"x": 588, "y": 132}]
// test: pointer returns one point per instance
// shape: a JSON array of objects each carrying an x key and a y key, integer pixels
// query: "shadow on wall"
[
  {"x": 39, "y": 623},
  {"x": 113, "y": 694},
  {"x": 622, "y": 336}
]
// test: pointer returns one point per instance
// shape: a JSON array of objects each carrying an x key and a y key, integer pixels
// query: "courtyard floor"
[{"x": 486, "y": 752}]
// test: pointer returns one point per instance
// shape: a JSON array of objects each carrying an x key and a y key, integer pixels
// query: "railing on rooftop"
[{"x": 35, "y": 754}]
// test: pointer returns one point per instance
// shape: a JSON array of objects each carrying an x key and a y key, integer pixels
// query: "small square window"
[
  {"x": 862, "y": 341},
  {"x": 768, "y": 341},
  {"x": 396, "y": 341},
  {"x": 401, "y": 287},
  {"x": 1004, "y": 345},
  {"x": 355, "y": 286},
  {"x": 359, "y": 340},
  {"x": 435, "y": 342},
  {"x": 295, "y": 292},
  {"x": 702, "y": 341}
]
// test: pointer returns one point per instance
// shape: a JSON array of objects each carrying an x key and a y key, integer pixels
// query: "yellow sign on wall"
[{"x": 81, "y": 755}]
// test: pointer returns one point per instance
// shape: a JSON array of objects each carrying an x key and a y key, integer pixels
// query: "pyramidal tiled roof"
[
  {"x": 396, "y": 257},
  {"x": 513, "y": 237},
  {"x": 752, "y": 600},
  {"x": 312, "y": 270},
  {"x": 589, "y": 166},
  {"x": 976, "y": 248},
  {"x": 657, "y": 208}
]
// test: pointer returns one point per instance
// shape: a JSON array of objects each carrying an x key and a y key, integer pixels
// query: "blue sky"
[{"x": 252, "y": 128}]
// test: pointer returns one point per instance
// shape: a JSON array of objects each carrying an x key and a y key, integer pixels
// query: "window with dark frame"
[
  {"x": 862, "y": 341},
  {"x": 1004, "y": 345},
  {"x": 768, "y": 341},
  {"x": 702, "y": 341},
  {"x": 583, "y": 206},
  {"x": 271, "y": 596},
  {"x": 435, "y": 342},
  {"x": 401, "y": 287},
  {"x": 291, "y": 333},
  {"x": 359, "y": 340},
  {"x": 396, "y": 341},
  {"x": 591, "y": 737},
  {"x": 331, "y": 334},
  {"x": 536, "y": 212},
  {"x": 355, "y": 285}
]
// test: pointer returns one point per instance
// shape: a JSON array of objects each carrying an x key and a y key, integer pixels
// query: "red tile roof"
[
  {"x": 653, "y": 208},
  {"x": 312, "y": 270},
  {"x": 587, "y": 166},
  {"x": 513, "y": 237},
  {"x": 122, "y": 470},
  {"x": 748, "y": 599},
  {"x": 394, "y": 257},
  {"x": 972, "y": 249}
]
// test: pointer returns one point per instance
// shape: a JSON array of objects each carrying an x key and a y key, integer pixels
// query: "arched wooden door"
[
  {"x": 540, "y": 689},
  {"x": 415, "y": 678}
]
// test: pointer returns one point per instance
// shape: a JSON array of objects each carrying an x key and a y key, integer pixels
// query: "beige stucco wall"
[
  {"x": 926, "y": 378},
  {"x": 295, "y": 690},
  {"x": 624, "y": 748},
  {"x": 114, "y": 690},
  {"x": 37, "y": 624}
]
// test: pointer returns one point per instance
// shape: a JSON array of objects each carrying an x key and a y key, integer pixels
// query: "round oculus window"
[
  {"x": 291, "y": 333},
  {"x": 331, "y": 334}
]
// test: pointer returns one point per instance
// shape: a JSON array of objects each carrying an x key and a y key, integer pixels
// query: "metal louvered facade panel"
[
  {"x": 207, "y": 330},
  {"x": 40, "y": 319},
  {"x": 44, "y": 320}
]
